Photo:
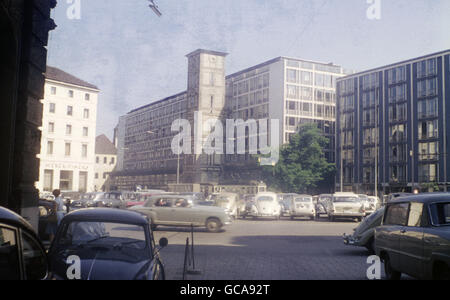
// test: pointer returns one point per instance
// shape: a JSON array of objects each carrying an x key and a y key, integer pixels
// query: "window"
[
  {"x": 48, "y": 180},
  {"x": 428, "y": 151},
  {"x": 70, "y": 93},
  {"x": 52, "y": 108},
  {"x": 397, "y": 214},
  {"x": 96, "y": 175},
  {"x": 51, "y": 127},
  {"x": 105, "y": 160},
  {"x": 105, "y": 175},
  {"x": 86, "y": 113},
  {"x": 50, "y": 148},
  {"x": 65, "y": 180},
  {"x": 9, "y": 256},
  {"x": 84, "y": 151},
  {"x": 69, "y": 110},
  {"x": 87, "y": 97},
  {"x": 428, "y": 108},
  {"x": 415, "y": 215},
  {"x": 440, "y": 214},
  {"x": 428, "y": 172},
  {"x": 67, "y": 149},
  {"x": 97, "y": 159},
  {"x": 112, "y": 161},
  {"x": 428, "y": 129},
  {"x": 83, "y": 178},
  {"x": 68, "y": 129},
  {"x": 85, "y": 131},
  {"x": 292, "y": 76},
  {"x": 53, "y": 90}
]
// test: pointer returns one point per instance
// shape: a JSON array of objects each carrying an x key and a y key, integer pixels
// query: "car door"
[
  {"x": 163, "y": 211},
  {"x": 411, "y": 242},
  {"x": 389, "y": 234},
  {"x": 9, "y": 254},
  {"x": 183, "y": 213}
]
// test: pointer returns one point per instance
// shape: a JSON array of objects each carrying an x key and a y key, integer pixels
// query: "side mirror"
[{"x": 163, "y": 242}]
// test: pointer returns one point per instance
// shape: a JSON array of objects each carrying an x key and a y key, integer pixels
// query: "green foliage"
[{"x": 302, "y": 164}]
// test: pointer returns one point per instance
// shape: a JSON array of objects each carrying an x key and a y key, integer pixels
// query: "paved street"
[{"x": 267, "y": 250}]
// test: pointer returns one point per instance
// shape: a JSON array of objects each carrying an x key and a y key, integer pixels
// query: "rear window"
[
  {"x": 346, "y": 199},
  {"x": 303, "y": 200},
  {"x": 440, "y": 214},
  {"x": 397, "y": 214},
  {"x": 265, "y": 199}
]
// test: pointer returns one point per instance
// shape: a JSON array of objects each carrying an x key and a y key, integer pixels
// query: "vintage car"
[
  {"x": 302, "y": 206},
  {"x": 414, "y": 237},
  {"x": 346, "y": 205},
  {"x": 229, "y": 202},
  {"x": 373, "y": 204},
  {"x": 110, "y": 244},
  {"x": 22, "y": 255},
  {"x": 324, "y": 204},
  {"x": 110, "y": 199},
  {"x": 178, "y": 210},
  {"x": 364, "y": 234},
  {"x": 266, "y": 205},
  {"x": 285, "y": 203}
]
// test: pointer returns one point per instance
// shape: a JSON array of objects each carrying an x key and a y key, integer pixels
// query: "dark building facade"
[
  {"x": 24, "y": 27},
  {"x": 393, "y": 125}
]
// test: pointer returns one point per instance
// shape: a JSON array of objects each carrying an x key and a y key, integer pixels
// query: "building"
[
  {"x": 105, "y": 162},
  {"x": 292, "y": 91},
  {"x": 68, "y": 133},
  {"x": 24, "y": 28},
  {"x": 392, "y": 127}
]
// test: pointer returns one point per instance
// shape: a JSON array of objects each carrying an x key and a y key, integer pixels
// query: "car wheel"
[
  {"x": 391, "y": 274},
  {"x": 213, "y": 225}
]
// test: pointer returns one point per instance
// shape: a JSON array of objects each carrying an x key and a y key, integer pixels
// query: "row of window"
[
  {"x": 67, "y": 149},
  {"x": 105, "y": 160},
  {"x": 66, "y": 179},
  {"x": 51, "y": 129},
  {"x": 69, "y": 110},
  {"x": 252, "y": 84},
  {"x": 71, "y": 93}
]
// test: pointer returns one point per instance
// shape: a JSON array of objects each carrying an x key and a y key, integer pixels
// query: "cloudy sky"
[{"x": 136, "y": 58}]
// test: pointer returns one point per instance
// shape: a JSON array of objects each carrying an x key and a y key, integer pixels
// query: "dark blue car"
[{"x": 105, "y": 244}]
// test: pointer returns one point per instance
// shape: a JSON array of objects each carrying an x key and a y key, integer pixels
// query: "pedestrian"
[{"x": 56, "y": 216}]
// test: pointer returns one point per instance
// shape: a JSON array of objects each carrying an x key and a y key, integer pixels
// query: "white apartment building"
[
  {"x": 105, "y": 162},
  {"x": 291, "y": 90},
  {"x": 67, "y": 158}
]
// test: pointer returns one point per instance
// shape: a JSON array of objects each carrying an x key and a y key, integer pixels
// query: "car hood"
[{"x": 97, "y": 268}]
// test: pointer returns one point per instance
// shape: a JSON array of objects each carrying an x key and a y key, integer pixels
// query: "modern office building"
[
  {"x": 67, "y": 156},
  {"x": 289, "y": 90},
  {"x": 392, "y": 127},
  {"x": 293, "y": 91}
]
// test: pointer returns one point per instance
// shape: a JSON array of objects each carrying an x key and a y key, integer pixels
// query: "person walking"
[{"x": 57, "y": 215}]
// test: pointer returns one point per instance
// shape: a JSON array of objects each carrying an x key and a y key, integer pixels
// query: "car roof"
[
  {"x": 423, "y": 198},
  {"x": 11, "y": 218},
  {"x": 106, "y": 215}
]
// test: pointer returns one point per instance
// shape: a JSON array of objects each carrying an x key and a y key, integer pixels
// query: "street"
[{"x": 267, "y": 250}]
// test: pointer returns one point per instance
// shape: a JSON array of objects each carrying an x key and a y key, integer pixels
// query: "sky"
[{"x": 136, "y": 57}]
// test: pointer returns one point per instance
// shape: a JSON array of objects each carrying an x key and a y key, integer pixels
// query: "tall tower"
[{"x": 206, "y": 97}]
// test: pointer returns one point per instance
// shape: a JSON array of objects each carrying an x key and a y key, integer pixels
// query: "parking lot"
[{"x": 268, "y": 250}]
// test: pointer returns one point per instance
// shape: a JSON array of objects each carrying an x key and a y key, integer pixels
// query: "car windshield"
[
  {"x": 346, "y": 200},
  {"x": 303, "y": 200},
  {"x": 440, "y": 214}
]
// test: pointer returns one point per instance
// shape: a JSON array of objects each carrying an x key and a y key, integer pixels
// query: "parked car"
[
  {"x": 178, "y": 210},
  {"x": 229, "y": 202},
  {"x": 364, "y": 234},
  {"x": 101, "y": 239},
  {"x": 346, "y": 205},
  {"x": 365, "y": 202},
  {"x": 285, "y": 202},
  {"x": 22, "y": 255},
  {"x": 302, "y": 206},
  {"x": 324, "y": 204},
  {"x": 266, "y": 205},
  {"x": 110, "y": 199},
  {"x": 86, "y": 200},
  {"x": 414, "y": 237},
  {"x": 374, "y": 204},
  {"x": 249, "y": 203}
]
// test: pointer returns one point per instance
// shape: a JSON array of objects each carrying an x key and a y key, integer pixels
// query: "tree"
[{"x": 302, "y": 164}]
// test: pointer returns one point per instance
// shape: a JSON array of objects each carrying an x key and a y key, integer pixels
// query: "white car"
[
  {"x": 346, "y": 205},
  {"x": 266, "y": 205},
  {"x": 302, "y": 206}
]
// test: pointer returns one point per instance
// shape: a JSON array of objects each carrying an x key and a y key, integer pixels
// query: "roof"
[
  {"x": 423, "y": 198},
  {"x": 56, "y": 74},
  {"x": 211, "y": 52},
  {"x": 104, "y": 146},
  {"x": 11, "y": 218},
  {"x": 108, "y": 215}
]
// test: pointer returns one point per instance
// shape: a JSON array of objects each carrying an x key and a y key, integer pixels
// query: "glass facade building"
[{"x": 392, "y": 127}]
